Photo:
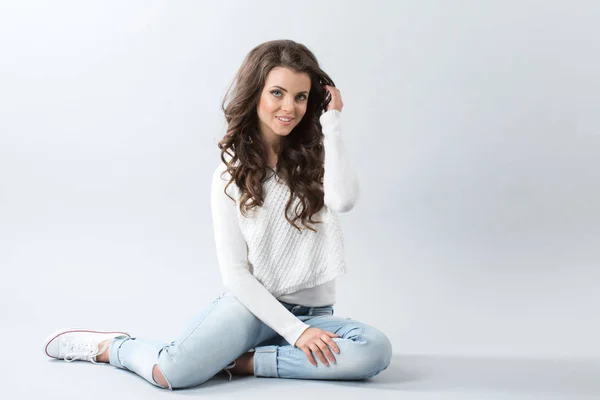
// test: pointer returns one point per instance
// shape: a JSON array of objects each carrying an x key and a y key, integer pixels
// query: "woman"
[{"x": 282, "y": 161}]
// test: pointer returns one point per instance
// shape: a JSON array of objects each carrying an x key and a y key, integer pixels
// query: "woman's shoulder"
[
  {"x": 221, "y": 178},
  {"x": 221, "y": 167}
]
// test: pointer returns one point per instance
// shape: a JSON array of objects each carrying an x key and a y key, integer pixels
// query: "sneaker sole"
[{"x": 63, "y": 331}]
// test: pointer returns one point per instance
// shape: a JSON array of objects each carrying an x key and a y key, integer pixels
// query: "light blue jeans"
[{"x": 226, "y": 329}]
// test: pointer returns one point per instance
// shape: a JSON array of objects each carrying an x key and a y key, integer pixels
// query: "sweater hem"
[{"x": 336, "y": 273}]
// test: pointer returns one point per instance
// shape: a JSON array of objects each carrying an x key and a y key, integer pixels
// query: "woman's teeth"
[{"x": 284, "y": 121}]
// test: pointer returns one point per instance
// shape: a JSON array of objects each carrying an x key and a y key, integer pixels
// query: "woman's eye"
[{"x": 277, "y": 91}]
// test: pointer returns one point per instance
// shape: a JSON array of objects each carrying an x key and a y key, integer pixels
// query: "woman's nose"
[{"x": 288, "y": 105}]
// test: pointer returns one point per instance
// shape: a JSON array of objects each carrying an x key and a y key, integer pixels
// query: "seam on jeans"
[
  {"x": 277, "y": 355},
  {"x": 201, "y": 322},
  {"x": 289, "y": 351}
]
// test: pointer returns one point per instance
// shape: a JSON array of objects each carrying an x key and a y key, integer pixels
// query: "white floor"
[{"x": 28, "y": 374}]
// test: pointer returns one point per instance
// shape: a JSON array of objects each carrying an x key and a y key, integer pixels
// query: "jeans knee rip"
[
  {"x": 170, "y": 387},
  {"x": 352, "y": 332}
]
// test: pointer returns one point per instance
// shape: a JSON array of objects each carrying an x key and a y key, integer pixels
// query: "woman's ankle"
[
  {"x": 244, "y": 365},
  {"x": 105, "y": 356}
]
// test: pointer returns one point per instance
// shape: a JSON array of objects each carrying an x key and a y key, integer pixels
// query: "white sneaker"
[{"x": 79, "y": 344}]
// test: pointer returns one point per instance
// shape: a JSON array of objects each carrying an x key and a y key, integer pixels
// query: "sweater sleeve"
[
  {"x": 340, "y": 182},
  {"x": 233, "y": 263}
]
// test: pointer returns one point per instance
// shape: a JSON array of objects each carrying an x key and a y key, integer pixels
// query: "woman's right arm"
[{"x": 232, "y": 255}]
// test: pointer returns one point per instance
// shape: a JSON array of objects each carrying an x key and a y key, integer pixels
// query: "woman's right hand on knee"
[{"x": 318, "y": 341}]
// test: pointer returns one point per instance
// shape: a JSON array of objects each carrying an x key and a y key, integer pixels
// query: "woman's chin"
[{"x": 283, "y": 131}]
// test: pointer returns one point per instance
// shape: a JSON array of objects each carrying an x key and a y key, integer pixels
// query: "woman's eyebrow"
[{"x": 285, "y": 90}]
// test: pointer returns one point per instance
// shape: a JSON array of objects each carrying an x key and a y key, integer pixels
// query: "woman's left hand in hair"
[{"x": 336, "y": 102}]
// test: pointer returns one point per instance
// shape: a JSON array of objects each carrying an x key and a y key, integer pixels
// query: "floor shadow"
[
  {"x": 428, "y": 373},
  {"x": 413, "y": 373}
]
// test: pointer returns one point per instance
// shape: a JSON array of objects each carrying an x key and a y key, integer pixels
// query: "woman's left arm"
[{"x": 340, "y": 182}]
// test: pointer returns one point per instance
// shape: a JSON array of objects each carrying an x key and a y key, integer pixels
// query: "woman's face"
[{"x": 285, "y": 95}]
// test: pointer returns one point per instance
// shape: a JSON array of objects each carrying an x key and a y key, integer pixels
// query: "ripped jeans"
[{"x": 225, "y": 329}]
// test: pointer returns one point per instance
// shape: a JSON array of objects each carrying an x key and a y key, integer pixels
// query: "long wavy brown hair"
[{"x": 301, "y": 155}]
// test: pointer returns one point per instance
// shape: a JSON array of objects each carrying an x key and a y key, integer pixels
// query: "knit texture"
[{"x": 282, "y": 258}]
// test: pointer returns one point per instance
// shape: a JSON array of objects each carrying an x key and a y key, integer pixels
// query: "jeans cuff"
[
  {"x": 265, "y": 362},
  {"x": 114, "y": 351}
]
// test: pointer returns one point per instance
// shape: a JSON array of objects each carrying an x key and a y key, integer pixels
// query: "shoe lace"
[
  {"x": 227, "y": 368},
  {"x": 87, "y": 351}
]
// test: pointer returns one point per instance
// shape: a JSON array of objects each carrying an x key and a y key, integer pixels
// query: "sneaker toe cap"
[{"x": 51, "y": 348}]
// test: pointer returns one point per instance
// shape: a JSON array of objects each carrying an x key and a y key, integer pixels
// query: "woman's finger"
[
  {"x": 317, "y": 352},
  {"x": 309, "y": 355},
  {"x": 326, "y": 351},
  {"x": 331, "y": 343}
]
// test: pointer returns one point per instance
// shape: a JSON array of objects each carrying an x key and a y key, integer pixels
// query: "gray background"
[{"x": 473, "y": 127}]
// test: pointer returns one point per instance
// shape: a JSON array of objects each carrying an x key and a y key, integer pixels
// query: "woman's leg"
[
  {"x": 221, "y": 332},
  {"x": 136, "y": 355},
  {"x": 364, "y": 352}
]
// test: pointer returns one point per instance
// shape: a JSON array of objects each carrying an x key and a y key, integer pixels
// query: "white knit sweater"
[{"x": 262, "y": 258}]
